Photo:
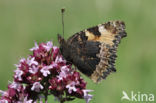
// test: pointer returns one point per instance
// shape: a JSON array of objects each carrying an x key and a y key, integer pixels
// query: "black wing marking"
[{"x": 84, "y": 57}]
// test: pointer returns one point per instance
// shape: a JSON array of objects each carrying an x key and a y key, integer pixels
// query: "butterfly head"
[
  {"x": 60, "y": 39},
  {"x": 63, "y": 46}
]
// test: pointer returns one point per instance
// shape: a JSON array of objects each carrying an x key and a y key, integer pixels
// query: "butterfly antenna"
[{"x": 62, "y": 12}]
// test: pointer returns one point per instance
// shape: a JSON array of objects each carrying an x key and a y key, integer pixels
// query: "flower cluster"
[{"x": 43, "y": 73}]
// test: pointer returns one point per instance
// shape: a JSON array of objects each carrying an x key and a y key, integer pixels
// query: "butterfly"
[{"x": 93, "y": 50}]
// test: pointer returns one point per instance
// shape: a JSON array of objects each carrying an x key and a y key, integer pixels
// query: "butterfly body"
[{"x": 93, "y": 51}]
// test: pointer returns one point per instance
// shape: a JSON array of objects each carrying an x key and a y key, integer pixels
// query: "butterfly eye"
[{"x": 59, "y": 37}]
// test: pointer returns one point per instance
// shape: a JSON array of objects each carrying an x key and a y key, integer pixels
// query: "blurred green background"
[{"x": 24, "y": 21}]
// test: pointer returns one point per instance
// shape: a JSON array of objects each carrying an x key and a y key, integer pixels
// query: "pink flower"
[
  {"x": 22, "y": 59},
  {"x": 87, "y": 96},
  {"x": 71, "y": 87},
  {"x": 27, "y": 101},
  {"x": 59, "y": 59},
  {"x": 4, "y": 101},
  {"x": 31, "y": 61},
  {"x": 33, "y": 69},
  {"x": 46, "y": 70},
  {"x": 37, "y": 87},
  {"x": 15, "y": 85},
  {"x": 34, "y": 48},
  {"x": 18, "y": 74},
  {"x": 65, "y": 71},
  {"x": 48, "y": 46},
  {"x": 3, "y": 93},
  {"x": 55, "y": 51}
]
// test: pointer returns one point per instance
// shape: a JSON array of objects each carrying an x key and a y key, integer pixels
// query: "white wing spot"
[
  {"x": 102, "y": 29},
  {"x": 114, "y": 24}
]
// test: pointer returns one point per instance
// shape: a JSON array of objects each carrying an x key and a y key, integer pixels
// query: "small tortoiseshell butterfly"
[{"x": 93, "y": 51}]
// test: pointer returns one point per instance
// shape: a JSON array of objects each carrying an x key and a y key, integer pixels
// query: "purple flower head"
[{"x": 43, "y": 73}]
